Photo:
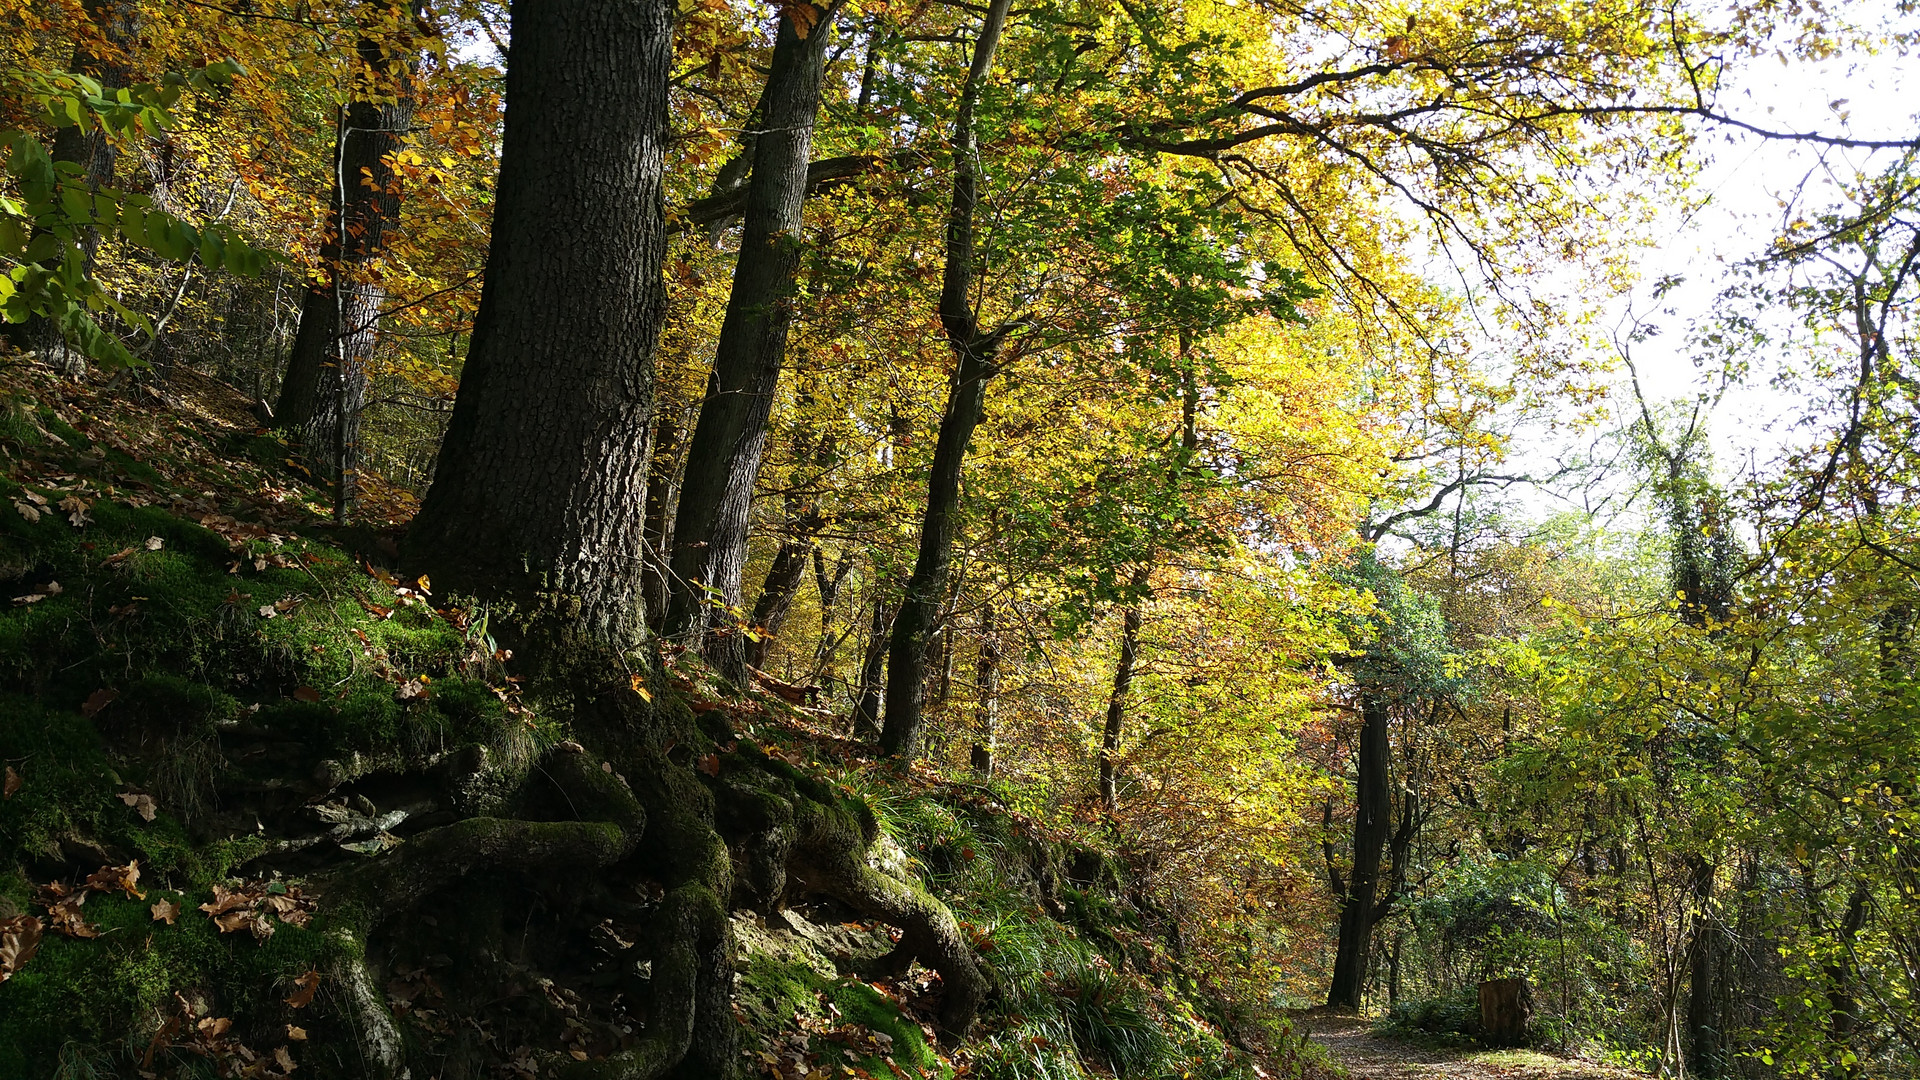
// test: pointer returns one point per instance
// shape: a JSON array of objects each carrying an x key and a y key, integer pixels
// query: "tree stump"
[{"x": 1506, "y": 1006}]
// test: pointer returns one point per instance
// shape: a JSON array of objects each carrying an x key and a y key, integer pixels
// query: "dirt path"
[{"x": 1369, "y": 1056}]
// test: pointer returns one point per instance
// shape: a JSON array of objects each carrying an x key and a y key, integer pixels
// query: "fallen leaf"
[
  {"x": 13, "y": 782},
  {"x": 283, "y": 1059},
  {"x": 267, "y": 612},
  {"x": 410, "y": 690},
  {"x": 154, "y": 543},
  {"x": 141, "y": 803},
  {"x": 30, "y": 598},
  {"x": 165, "y": 911},
  {"x": 296, "y": 1033},
  {"x": 76, "y": 508},
  {"x": 19, "y": 940},
  {"x": 28, "y": 511},
  {"x": 710, "y": 764},
  {"x": 118, "y": 878},
  {"x": 578, "y": 1055},
  {"x": 307, "y": 694},
  {"x": 38, "y": 498},
  {"x": 120, "y": 556},
  {"x": 96, "y": 701},
  {"x": 214, "y": 1026},
  {"x": 303, "y": 988}
]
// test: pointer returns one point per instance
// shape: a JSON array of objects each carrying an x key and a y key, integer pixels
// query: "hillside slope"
[{"x": 271, "y": 808}]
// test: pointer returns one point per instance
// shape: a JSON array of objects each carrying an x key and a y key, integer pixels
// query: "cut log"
[{"x": 1506, "y": 1007}]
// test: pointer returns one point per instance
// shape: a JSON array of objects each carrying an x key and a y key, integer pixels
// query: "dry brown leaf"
[
  {"x": 98, "y": 700},
  {"x": 165, "y": 911},
  {"x": 13, "y": 783},
  {"x": 307, "y": 694},
  {"x": 19, "y": 940},
  {"x": 303, "y": 988},
  {"x": 117, "y": 557},
  {"x": 214, "y": 1026},
  {"x": 141, "y": 803},
  {"x": 709, "y": 764},
  {"x": 118, "y": 878},
  {"x": 154, "y": 543},
  {"x": 296, "y": 1033},
  {"x": 28, "y": 511},
  {"x": 283, "y": 1059}
]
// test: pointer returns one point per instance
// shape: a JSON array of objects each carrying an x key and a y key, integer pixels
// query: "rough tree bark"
[
  {"x": 325, "y": 387},
  {"x": 709, "y": 543},
  {"x": 539, "y": 492},
  {"x": 966, "y": 403}
]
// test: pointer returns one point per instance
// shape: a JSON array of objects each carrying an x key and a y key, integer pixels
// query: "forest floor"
[{"x": 1368, "y": 1054}]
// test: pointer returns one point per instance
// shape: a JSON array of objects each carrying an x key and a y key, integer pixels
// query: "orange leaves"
[
  {"x": 248, "y": 908},
  {"x": 302, "y": 996},
  {"x": 803, "y": 16}
]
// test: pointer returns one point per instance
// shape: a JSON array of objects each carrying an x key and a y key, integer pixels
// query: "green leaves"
[{"x": 46, "y": 232}]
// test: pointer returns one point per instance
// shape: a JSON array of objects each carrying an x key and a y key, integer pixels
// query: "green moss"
[
  {"x": 772, "y": 992},
  {"x": 112, "y": 992}
]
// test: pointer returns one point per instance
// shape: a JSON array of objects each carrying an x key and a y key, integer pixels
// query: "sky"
[{"x": 1748, "y": 178}]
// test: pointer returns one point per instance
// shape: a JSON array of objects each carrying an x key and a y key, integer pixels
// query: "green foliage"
[{"x": 47, "y": 232}]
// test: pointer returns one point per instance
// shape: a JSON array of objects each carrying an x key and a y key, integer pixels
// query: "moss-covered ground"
[{"x": 195, "y": 662}]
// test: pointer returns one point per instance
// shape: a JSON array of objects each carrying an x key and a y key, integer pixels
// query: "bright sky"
[{"x": 1747, "y": 178}]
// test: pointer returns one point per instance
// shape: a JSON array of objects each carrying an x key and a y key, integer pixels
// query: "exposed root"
[{"x": 830, "y": 858}]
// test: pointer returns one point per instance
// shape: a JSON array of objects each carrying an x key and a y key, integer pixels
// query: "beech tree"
[
  {"x": 709, "y": 539},
  {"x": 540, "y": 491},
  {"x": 325, "y": 387}
]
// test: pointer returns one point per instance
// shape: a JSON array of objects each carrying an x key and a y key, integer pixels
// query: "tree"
[
  {"x": 539, "y": 494},
  {"x": 709, "y": 539},
  {"x": 325, "y": 386},
  {"x": 974, "y": 353}
]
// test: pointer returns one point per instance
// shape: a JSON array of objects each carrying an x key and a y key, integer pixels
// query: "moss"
[
  {"x": 771, "y": 993},
  {"x": 51, "y": 423},
  {"x": 112, "y": 992}
]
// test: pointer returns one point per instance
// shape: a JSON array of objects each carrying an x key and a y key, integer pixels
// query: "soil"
[{"x": 1369, "y": 1055}]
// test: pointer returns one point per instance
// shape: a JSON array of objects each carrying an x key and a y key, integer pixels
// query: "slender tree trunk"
[
  {"x": 1372, "y": 822},
  {"x": 866, "y": 705},
  {"x": 723, "y": 460},
  {"x": 1703, "y": 955},
  {"x": 987, "y": 711},
  {"x": 662, "y": 471},
  {"x": 325, "y": 387},
  {"x": 789, "y": 567},
  {"x": 828, "y": 585},
  {"x": 1117, "y": 700},
  {"x": 966, "y": 404},
  {"x": 539, "y": 493}
]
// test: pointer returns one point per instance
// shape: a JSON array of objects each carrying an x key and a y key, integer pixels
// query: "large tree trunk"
[
  {"x": 966, "y": 403},
  {"x": 723, "y": 460},
  {"x": 1372, "y": 822},
  {"x": 325, "y": 386},
  {"x": 539, "y": 493}
]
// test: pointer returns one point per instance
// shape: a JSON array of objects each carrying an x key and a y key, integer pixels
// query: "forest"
[{"x": 616, "y": 539}]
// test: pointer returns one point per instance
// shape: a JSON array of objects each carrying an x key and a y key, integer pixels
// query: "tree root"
[{"x": 830, "y": 858}]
